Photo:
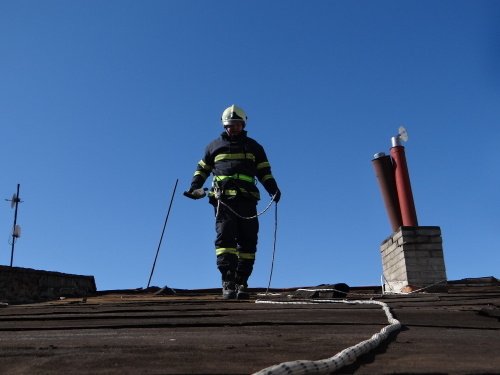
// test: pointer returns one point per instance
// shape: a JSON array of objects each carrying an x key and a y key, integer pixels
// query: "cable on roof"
[
  {"x": 341, "y": 359},
  {"x": 392, "y": 291}
]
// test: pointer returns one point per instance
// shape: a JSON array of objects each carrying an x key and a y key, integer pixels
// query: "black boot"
[
  {"x": 242, "y": 292},
  {"x": 229, "y": 290}
]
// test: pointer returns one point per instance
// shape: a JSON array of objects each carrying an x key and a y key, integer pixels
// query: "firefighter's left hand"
[{"x": 277, "y": 196}]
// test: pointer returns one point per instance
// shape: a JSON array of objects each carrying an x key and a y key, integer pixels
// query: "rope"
[
  {"x": 219, "y": 201},
  {"x": 274, "y": 245},
  {"x": 342, "y": 358}
]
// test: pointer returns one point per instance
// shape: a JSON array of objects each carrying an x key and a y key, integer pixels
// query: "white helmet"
[{"x": 233, "y": 114}]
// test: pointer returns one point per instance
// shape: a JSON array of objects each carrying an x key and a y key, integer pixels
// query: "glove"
[
  {"x": 277, "y": 196},
  {"x": 196, "y": 193}
]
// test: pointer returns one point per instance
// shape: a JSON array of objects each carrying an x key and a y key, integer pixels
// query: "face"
[{"x": 234, "y": 128}]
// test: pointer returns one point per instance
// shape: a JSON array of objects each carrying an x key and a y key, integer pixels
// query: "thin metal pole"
[
  {"x": 14, "y": 227},
  {"x": 163, "y": 231}
]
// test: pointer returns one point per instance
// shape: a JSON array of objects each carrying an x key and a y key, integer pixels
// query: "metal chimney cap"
[
  {"x": 379, "y": 155},
  {"x": 396, "y": 141}
]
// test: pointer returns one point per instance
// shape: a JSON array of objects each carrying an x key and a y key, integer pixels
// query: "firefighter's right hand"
[{"x": 196, "y": 193}]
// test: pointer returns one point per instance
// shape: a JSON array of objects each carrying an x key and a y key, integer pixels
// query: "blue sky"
[{"x": 104, "y": 104}]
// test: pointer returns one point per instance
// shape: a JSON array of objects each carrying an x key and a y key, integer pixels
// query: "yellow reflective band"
[
  {"x": 226, "y": 250},
  {"x": 248, "y": 256},
  {"x": 267, "y": 177},
  {"x": 236, "y": 176},
  {"x": 234, "y": 157},
  {"x": 232, "y": 192},
  {"x": 204, "y": 165},
  {"x": 263, "y": 165},
  {"x": 200, "y": 173}
]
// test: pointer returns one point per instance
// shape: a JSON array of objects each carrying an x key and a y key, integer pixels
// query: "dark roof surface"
[{"x": 196, "y": 332}]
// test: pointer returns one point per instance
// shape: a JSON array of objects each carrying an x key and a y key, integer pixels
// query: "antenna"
[{"x": 16, "y": 229}]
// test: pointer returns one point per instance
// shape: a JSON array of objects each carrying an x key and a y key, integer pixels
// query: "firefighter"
[{"x": 236, "y": 162}]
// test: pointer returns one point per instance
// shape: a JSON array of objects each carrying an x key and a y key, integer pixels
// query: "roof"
[{"x": 194, "y": 331}]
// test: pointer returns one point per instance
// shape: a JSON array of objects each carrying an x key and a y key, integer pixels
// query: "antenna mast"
[{"x": 16, "y": 229}]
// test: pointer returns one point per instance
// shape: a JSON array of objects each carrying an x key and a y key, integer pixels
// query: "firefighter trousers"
[{"x": 236, "y": 239}]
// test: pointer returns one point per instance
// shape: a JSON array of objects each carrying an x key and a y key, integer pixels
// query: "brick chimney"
[{"x": 412, "y": 258}]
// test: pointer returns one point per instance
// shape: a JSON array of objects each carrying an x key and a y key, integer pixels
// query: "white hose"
[{"x": 341, "y": 359}]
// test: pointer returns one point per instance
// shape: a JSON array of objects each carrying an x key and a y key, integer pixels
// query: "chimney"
[{"x": 412, "y": 257}]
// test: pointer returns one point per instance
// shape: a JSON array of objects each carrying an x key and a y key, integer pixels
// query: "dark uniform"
[{"x": 236, "y": 163}]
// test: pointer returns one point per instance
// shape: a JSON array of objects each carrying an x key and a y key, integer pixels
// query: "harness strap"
[{"x": 236, "y": 176}]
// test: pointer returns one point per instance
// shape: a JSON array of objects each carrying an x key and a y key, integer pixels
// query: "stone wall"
[
  {"x": 413, "y": 258},
  {"x": 25, "y": 285}
]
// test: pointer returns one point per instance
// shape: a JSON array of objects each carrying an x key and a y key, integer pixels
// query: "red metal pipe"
[
  {"x": 385, "y": 176},
  {"x": 403, "y": 186}
]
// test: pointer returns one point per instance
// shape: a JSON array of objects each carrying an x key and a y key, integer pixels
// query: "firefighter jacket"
[{"x": 236, "y": 163}]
